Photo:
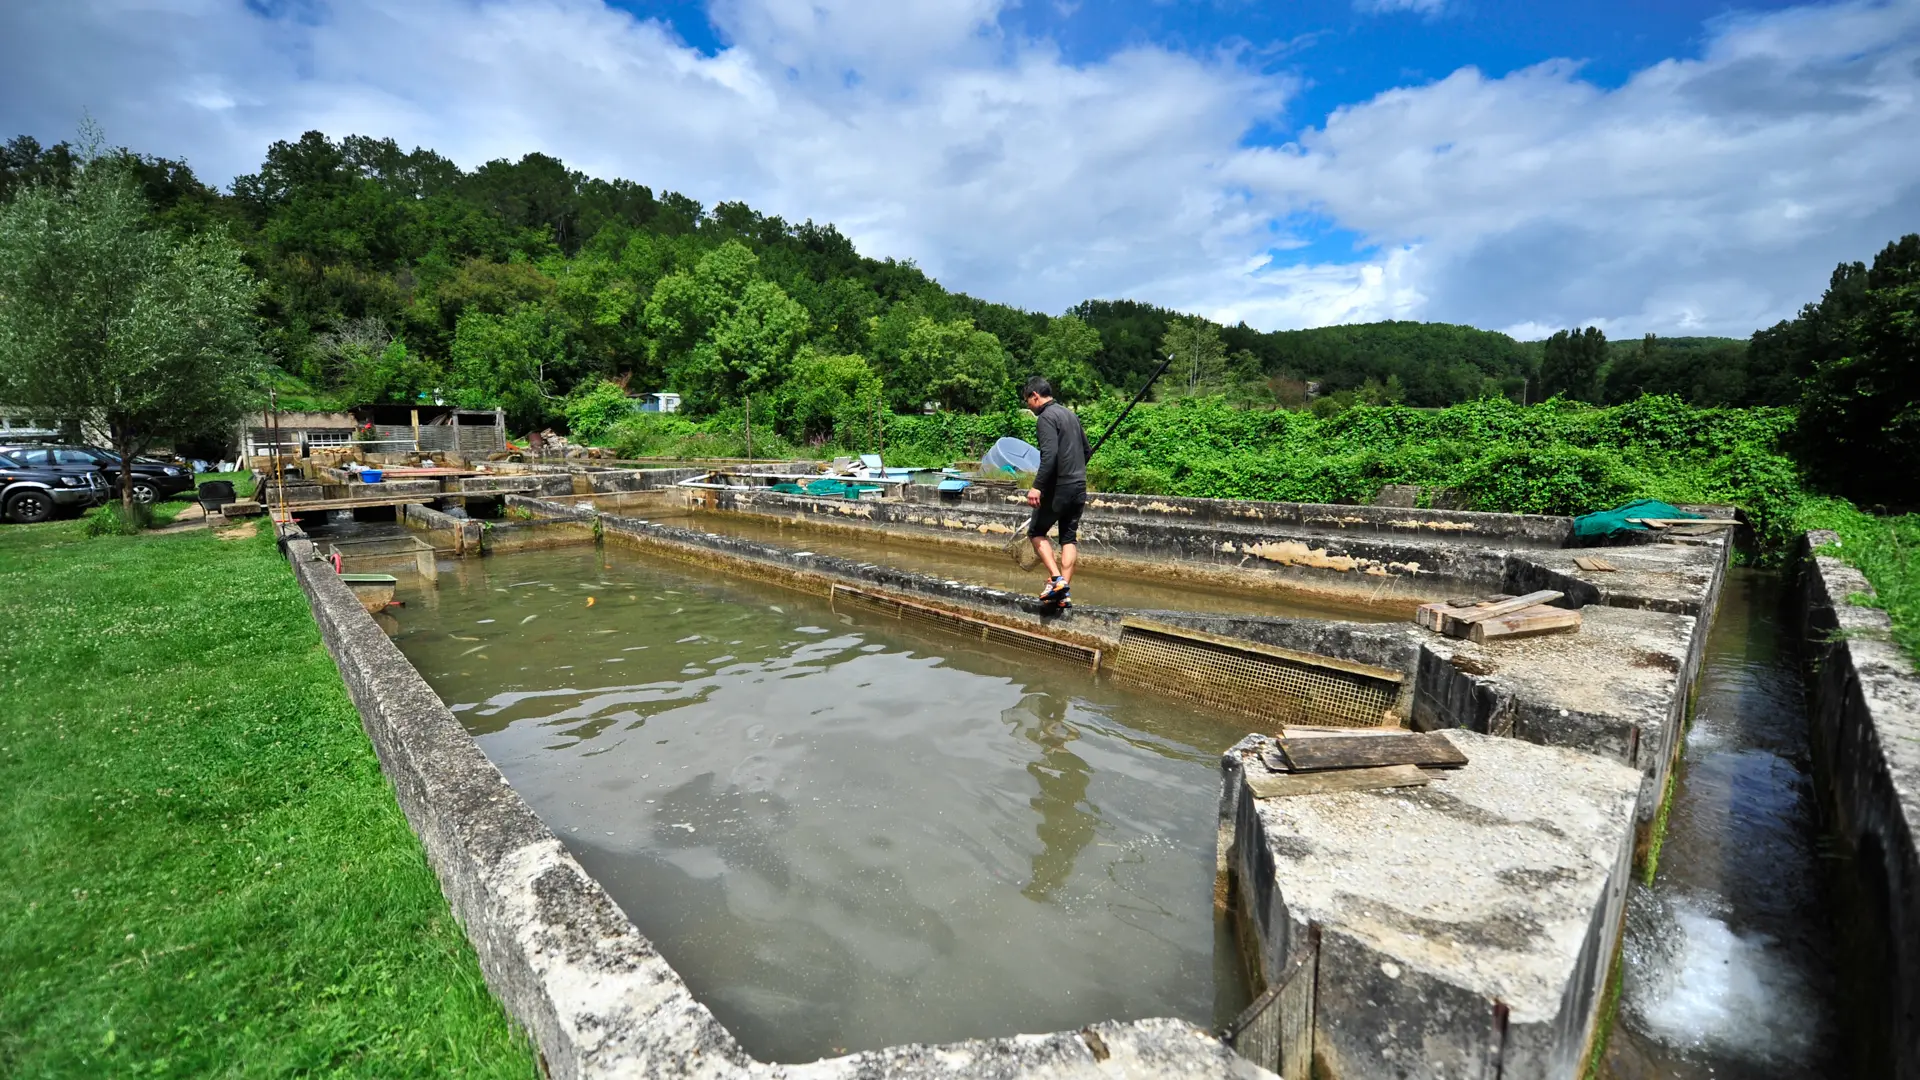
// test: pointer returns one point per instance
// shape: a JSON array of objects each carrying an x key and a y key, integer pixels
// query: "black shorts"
[{"x": 1062, "y": 509}]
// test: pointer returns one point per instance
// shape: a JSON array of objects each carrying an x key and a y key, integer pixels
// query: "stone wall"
[{"x": 1866, "y": 746}]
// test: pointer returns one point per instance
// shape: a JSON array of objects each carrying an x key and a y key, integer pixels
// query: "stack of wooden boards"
[
  {"x": 1496, "y": 617},
  {"x": 1305, "y": 761}
]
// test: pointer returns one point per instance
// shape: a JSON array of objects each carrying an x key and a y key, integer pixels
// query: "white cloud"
[
  {"x": 1421, "y": 7},
  {"x": 1706, "y": 195}
]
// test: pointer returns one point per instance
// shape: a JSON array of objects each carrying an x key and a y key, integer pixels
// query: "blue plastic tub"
[{"x": 370, "y": 476}]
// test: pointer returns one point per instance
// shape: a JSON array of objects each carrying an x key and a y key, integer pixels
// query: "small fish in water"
[
  {"x": 606, "y": 631},
  {"x": 517, "y": 584},
  {"x": 528, "y": 619},
  {"x": 484, "y": 622},
  {"x": 589, "y": 601},
  {"x": 776, "y": 610},
  {"x": 458, "y": 637},
  {"x": 473, "y": 650}
]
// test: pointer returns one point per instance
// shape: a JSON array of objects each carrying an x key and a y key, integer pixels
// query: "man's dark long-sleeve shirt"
[{"x": 1063, "y": 452}]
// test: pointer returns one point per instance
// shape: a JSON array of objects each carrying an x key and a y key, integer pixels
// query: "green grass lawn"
[
  {"x": 202, "y": 870},
  {"x": 1887, "y": 550}
]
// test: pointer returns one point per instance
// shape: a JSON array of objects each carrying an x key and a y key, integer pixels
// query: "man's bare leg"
[
  {"x": 1044, "y": 548},
  {"x": 1069, "y": 554}
]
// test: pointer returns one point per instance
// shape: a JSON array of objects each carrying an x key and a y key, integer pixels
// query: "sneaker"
[{"x": 1055, "y": 592}]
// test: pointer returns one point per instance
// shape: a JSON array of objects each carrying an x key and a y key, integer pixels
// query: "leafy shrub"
[
  {"x": 1544, "y": 480},
  {"x": 594, "y": 408},
  {"x": 113, "y": 520}
]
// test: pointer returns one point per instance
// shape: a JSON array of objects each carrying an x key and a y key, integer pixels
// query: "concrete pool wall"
[
  {"x": 1866, "y": 745},
  {"x": 1614, "y": 694},
  {"x": 594, "y": 994}
]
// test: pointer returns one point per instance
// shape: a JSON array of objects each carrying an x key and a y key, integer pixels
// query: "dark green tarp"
[{"x": 1609, "y": 522}]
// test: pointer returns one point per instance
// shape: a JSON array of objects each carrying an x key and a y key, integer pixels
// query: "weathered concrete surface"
[
  {"x": 1866, "y": 747},
  {"x": 1507, "y": 530},
  {"x": 597, "y": 998},
  {"x": 1355, "y": 563},
  {"x": 523, "y": 484},
  {"x": 1683, "y": 579},
  {"x": 460, "y": 536},
  {"x": 1465, "y": 927},
  {"x": 1618, "y": 689}
]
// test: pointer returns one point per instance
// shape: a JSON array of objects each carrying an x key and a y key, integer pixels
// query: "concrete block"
[{"x": 1465, "y": 927}]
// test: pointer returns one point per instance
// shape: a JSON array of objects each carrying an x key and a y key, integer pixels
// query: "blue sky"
[{"x": 1672, "y": 167}]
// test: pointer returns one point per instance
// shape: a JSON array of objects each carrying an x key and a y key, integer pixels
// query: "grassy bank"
[
  {"x": 202, "y": 869},
  {"x": 1887, "y": 551}
]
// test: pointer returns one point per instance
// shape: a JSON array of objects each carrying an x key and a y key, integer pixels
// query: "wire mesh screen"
[
  {"x": 933, "y": 618},
  {"x": 1281, "y": 688}
]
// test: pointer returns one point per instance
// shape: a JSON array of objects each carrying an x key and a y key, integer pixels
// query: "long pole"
[
  {"x": 1137, "y": 398},
  {"x": 279, "y": 474}
]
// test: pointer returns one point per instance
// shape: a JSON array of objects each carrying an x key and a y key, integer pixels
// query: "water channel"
[
  {"x": 1729, "y": 969},
  {"x": 842, "y": 835}
]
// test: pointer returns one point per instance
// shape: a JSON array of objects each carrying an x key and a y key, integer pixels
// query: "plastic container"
[
  {"x": 371, "y": 476},
  {"x": 1011, "y": 455}
]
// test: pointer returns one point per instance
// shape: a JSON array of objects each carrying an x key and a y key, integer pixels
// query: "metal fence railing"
[{"x": 1276, "y": 1030}]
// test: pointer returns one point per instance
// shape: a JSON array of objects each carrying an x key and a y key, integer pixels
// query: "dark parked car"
[
  {"x": 30, "y": 493},
  {"x": 152, "y": 480}
]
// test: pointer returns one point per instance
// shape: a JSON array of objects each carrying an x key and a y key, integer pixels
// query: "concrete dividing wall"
[
  {"x": 460, "y": 536},
  {"x": 595, "y": 995},
  {"x": 1866, "y": 747}
]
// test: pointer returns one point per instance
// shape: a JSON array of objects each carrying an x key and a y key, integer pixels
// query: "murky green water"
[
  {"x": 843, "y": 836},
  {"x": 1098, "y": 580}
]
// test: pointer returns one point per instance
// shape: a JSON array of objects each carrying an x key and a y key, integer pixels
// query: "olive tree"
[{"x": 107, "y": 319}]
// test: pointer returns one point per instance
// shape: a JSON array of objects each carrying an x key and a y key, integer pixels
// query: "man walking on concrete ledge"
[{"x": 1059, "y": 491}]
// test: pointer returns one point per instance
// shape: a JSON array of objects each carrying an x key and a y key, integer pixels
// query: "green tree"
[
  {"x": 504, "y": 361},
  {"x": 957, "y": 366},
  {"x": 1860, "y": 411},
  {"x": 1199, "y": 358},
  {"x": 721, "y": 331},
  {"x": 1570, "y": 364},
  {"x": 1064, "y": 353},
  {"x": 104, "y": 318},
  {"x": 829, "y": 395}
]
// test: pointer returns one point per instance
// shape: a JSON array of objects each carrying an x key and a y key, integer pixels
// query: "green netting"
[
  {"x": 1609, "y": 522},
  {"x": 827, "y": 487}
]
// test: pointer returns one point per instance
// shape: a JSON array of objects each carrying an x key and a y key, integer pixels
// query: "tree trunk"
[{"x": 123, "y": 449}]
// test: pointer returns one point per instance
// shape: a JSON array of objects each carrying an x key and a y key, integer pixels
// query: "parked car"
[
  {"x": 153, "y": 480},
  {"x": 33, "y": 492}
]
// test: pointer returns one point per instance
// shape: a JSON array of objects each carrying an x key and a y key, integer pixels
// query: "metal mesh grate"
[
  {"x": 1276, "y": 685},
  {"x": 978, "y": 629}
]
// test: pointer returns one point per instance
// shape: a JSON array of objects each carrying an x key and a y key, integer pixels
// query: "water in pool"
[{"x": 841, "y": 834}]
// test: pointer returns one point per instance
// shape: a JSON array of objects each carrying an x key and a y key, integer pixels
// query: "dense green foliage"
[
  {"x": 202, "y": 869},
  {"x": 391, "y": 274}
]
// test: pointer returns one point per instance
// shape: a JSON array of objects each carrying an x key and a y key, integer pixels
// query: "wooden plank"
[
  {"x": 1594, "y": 563},
  {"x": 1473, "y": 601},
  {"x": 1258, "y": 649},
  {"x": 1518, "y": 603},
  {"x": 1286, "y": 785},
  {"x": 1534, "y": 620},
  {"x": 1428, "y": 748}
]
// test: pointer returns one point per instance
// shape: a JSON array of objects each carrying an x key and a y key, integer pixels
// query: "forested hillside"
[{"x": 390, "y": 274}]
